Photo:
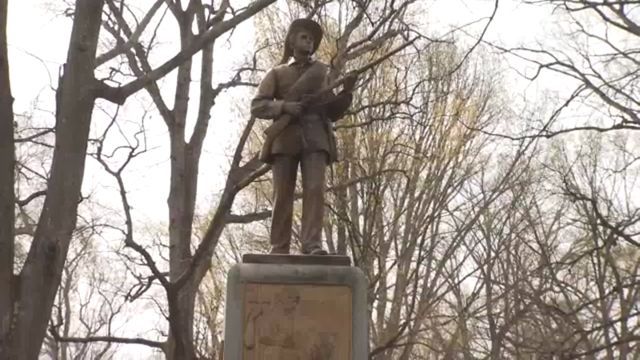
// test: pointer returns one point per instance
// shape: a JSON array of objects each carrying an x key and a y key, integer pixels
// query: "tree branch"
[
  {"x": 32, "y": 196},
  {"x": 122, "y": 47},
  {"x": 120, "y": 94},
  {"x": 108, "y": 339}
]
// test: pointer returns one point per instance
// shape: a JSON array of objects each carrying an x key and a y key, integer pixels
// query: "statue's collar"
[{"x": 308, "y": 61}]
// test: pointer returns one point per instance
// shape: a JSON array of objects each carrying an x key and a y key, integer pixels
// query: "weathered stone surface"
[
  {"x": 336, "y": 260},
  {"x": 294, "y": 311},
  {"x": 297, "y": 321}
]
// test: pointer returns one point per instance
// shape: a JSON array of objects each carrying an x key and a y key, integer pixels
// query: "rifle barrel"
[{"x": 371, "y": 64}]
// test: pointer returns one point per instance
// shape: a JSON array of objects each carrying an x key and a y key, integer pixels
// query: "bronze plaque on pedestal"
[{"x": 297, "y": 322}]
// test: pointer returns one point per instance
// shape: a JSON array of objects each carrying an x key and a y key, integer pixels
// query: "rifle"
[{"x": 275, "y": 129}]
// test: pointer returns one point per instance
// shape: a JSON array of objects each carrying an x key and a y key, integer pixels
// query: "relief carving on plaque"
[{"x": 297, "y": 322}]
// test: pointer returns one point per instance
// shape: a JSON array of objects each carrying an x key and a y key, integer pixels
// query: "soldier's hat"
[{"x": 307, "y": 24}]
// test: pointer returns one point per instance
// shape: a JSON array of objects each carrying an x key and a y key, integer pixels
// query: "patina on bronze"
[{"x": 297, "y": 96}]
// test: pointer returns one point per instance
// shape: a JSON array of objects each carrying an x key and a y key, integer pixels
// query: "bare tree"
[
  {"x": 25, "y": 313},
  {"x": 551, "y": 280},
  {"x": 7, "y": 195},
  {"x": 561, "y": 269},
  {"x": 599, "y": 287},
  {"x": 89, "y": 301},
  {"x": 595, "y": 55},
  {"x": 424, "y": 190}
]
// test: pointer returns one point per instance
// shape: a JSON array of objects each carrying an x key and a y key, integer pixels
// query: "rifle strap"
[{"x": 294, "y": 92}]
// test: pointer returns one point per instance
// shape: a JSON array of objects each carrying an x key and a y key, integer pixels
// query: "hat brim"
[{"x": 307, "y": 24}]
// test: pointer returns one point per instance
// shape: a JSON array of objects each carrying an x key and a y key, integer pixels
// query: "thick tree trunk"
[
  {"x": 181, "y": 345},
  {"x": 182, "y": 199},
  {"x": 41, "y": 274},
  {"x": 182, "y": 206},
  {"x": 185, "y": 159},
  {"x": 7, "y": 196},
  {"x": 181, "y": 210}
]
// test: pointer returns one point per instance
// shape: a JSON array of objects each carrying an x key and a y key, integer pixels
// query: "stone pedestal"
[{"x": 292, "y": 307}]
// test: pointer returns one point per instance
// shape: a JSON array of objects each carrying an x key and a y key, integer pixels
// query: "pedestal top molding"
[{"x": 330, "y": 260}]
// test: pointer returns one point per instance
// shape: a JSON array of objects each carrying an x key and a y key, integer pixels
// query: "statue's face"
[{"x": 302, "y": 42}]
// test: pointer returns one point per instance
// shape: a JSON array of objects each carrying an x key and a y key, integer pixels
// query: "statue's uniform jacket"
[
  {"x": 307, "y": 141},
  {"x": 313, "y": 131}
]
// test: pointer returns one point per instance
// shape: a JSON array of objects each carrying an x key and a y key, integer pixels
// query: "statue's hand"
[{"x": 292, "y": 108}]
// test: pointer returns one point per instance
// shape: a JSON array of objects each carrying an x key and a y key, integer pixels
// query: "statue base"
[{"x": 296, "y": 307}]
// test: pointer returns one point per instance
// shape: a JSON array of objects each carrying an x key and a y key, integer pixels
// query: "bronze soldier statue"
[{"x": 294, "y": 95}]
